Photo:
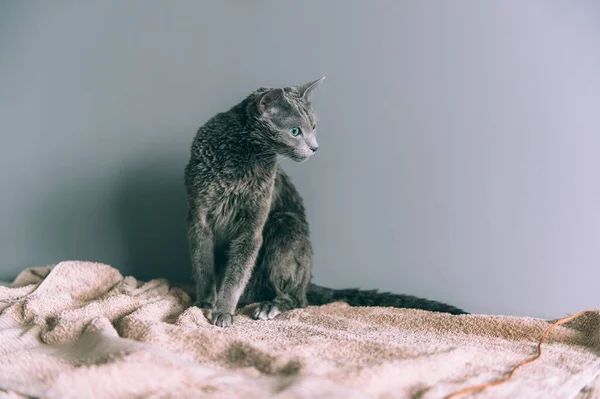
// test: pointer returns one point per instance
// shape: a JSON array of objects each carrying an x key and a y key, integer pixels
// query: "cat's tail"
[{"x": 318, "y": 295}]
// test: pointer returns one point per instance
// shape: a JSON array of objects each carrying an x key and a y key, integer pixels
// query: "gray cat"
[{"x": 248, "y": 234}]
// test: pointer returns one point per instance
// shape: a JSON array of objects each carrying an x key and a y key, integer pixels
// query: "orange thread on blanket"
[{"x": 476, "y": 388}]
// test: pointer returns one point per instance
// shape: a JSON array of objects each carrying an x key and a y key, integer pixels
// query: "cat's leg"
[
  {"x": 244, "y": 246},
  {"x": 201, "y": 241},
  {"x": 286, "y": 263}
]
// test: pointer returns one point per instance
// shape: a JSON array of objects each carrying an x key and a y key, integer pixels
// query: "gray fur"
[{"x": 248, "y": 233}]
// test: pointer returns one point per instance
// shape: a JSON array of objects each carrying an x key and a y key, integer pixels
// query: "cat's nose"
[{"x": 314, "y": 149}]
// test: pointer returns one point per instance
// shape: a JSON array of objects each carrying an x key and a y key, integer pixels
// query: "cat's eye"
[
  {"x": 314, "y": 126},
  {"x": 295, "y": 131}
]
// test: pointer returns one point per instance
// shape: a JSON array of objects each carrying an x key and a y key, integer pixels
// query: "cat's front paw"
[
  {"x": 266, "y": 311},
  {"x": 222, "y": 319}
]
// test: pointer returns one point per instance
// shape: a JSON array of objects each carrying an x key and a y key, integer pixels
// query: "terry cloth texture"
[{"x": 82, "y": 330}]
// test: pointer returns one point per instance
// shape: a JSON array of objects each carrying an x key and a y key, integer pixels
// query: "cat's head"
[{"x": 287, "y": 120}]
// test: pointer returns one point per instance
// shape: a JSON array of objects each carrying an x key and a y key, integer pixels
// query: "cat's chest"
[{"x": 250, "y": 192}]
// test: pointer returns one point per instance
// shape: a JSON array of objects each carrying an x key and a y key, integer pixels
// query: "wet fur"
[{"x": 248, "y": 234}]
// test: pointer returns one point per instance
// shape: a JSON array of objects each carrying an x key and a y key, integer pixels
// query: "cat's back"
[
  {"x": 222, "y": 175},
  {"x": 212, "y": 147},
  {"x": 214, "y": 133}
]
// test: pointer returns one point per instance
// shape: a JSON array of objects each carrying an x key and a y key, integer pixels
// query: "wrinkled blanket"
[{"x": 82, "y": 330}]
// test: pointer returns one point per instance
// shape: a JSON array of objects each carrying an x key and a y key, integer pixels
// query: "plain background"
[{"x": 459, "y": 140}]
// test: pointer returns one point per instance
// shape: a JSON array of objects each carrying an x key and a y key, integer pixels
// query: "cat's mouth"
[{"x": 298, "y": 156}]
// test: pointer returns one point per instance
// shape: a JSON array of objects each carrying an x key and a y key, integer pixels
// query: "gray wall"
[{"x": 459, "y": 140}]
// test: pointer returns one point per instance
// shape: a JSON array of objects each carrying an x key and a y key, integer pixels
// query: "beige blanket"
[{"x": 82, "y": 330}]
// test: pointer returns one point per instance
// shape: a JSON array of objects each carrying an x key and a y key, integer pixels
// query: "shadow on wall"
[
  {"x": 134, "y": 220},
  {"x": 151, "y": 213}
]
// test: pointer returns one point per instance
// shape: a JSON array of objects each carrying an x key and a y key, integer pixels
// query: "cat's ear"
[
  {"x": 306, "y": 89},
  {"x": 271, "y": 102}
]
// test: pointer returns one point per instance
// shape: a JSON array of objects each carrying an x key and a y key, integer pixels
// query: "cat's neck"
[
  {"x": 245, "y": 152},
  {"x": 254, "y": 148},
  {"x": 265, "y": 160},
  {"x": 242, "y": 146}
]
